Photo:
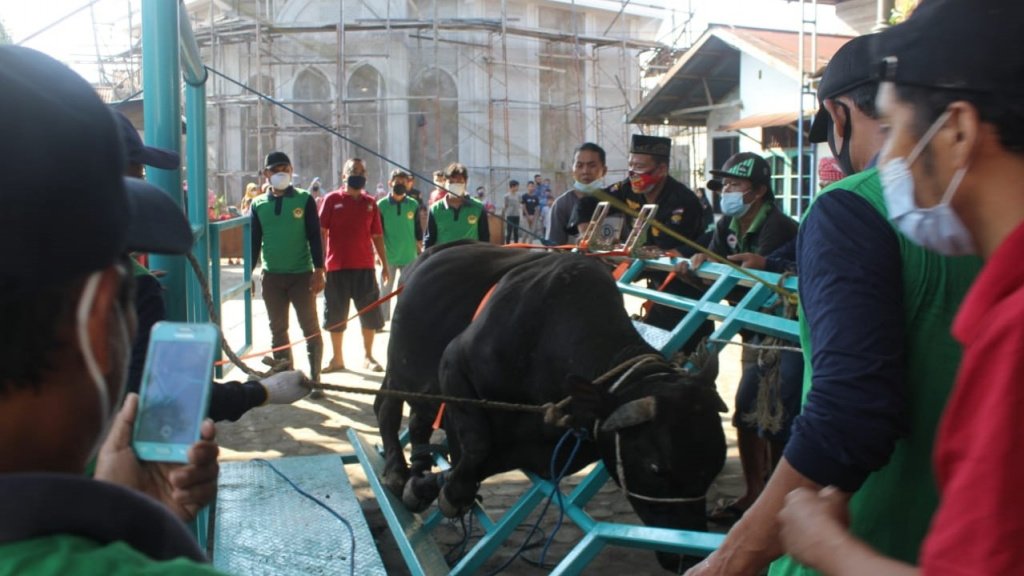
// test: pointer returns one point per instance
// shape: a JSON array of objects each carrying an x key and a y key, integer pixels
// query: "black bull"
[{"x": 554, "y": 323}]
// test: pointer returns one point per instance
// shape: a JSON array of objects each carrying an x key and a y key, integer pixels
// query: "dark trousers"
[
  {"x": 512, "y": 229},
  {"x": 280, "y": 291}
]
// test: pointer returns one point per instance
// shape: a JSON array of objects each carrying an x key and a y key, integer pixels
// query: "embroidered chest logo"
[
  {"x": 410, "y": 215},
  {"x": 732, "y": 241},
  {"x": 633, "y": 205},
  {"x": 471, "y": 219},
  {"x": 298, "y": 212}
]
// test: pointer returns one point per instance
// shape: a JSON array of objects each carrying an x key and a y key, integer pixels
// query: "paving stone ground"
[{"x": 320, "y": 426}]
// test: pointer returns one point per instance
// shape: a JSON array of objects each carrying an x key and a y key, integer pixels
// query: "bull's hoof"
[
  {"x": 395, "y": 482},
  {"x": 419, "y": 492},
  {"x": 448, "y": 509}
]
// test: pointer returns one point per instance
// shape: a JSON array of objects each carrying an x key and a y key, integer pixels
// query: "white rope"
[{"x": 620, "y": 469}]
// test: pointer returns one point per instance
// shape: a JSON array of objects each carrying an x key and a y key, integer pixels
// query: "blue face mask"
[
  {"x": 938, "y": 228},
  {"x": 588, "y": 188},
  {"x": 733, "y": 205}
]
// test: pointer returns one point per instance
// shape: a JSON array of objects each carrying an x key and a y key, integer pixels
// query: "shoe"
[
  {"x": 372, "y": 365},
  {"x": 286, "y": 387},
  {"x": 331, "y": 368},
  {"x": 317, "y": 393}
]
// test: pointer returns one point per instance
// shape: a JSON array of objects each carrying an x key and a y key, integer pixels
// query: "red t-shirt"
[
  {"x": 350, "y": 222},
  {"x": 979, "y": 457}
]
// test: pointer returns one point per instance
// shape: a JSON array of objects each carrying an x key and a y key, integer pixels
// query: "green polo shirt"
[
  {"x": 65, "y": 554},
  {"x": 399, "y": 221},
  {"x": 284, "y": 230},
  {"x": 466, "y": 226}
]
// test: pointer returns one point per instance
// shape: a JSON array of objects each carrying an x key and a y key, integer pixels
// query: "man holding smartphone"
[{"x": 68, "y": 320}]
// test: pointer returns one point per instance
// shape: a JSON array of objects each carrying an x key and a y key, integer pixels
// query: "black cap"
[
  {"x": 652, "y": 145},
  {"x": 276, "y": 158},
  {"x": 62, "y": 228},
  {"x": 852, "y": 66},
  {"x": 139, "y": 153},
  {"x": 746, "y": 165},
  {"x": 967, "y": 45}
]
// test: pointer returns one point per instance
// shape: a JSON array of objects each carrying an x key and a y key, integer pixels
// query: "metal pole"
[{"x": 162, "y": 115}]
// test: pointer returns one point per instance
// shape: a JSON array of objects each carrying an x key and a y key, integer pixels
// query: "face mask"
[
  {"x": 398, "y": 190},
  {"x": 937, "y": 228},
  {"x": 85, "y": 304},
  {"x": 842, "y": 156},
  {"x": 642, "y": 182},
  {"x": 588, "y": 188},
  {"x": 457, "y": 188},
  {"x": 357, "y": 182},
  {"x": 732, "y": 204},
  {"x": 281, "y": 180}
]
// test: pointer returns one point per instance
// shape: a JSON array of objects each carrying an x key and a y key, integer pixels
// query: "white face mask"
[
  {"x": 732, "y": 204},
  {"x": 85, "y": 304},
  {"x": 457, "y": 188},
  {"x": 588, "y": 188},
  {"x": 937, "y": 228},
  {"x": 281, "y": 180}
]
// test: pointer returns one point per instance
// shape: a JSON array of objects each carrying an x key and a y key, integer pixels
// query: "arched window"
[
  {"x": 433, "y": 121},
  {"x": 312, "y": 153},
  {"x": 367, "y": 122}
]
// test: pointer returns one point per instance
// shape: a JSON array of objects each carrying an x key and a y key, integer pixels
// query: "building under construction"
[{"x": 507, "y": 87}]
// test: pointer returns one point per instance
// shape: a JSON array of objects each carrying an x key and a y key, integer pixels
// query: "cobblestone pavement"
[{"x": 320, "y": 426}]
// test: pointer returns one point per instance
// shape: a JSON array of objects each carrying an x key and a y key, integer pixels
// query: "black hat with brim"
[{"x": 852, "y": 66}]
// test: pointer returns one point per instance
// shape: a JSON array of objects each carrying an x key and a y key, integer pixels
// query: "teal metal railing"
[{"x": 221, "y": 293}]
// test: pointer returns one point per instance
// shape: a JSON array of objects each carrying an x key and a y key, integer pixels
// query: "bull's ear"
[
  {"x": 589, "y": 402},
  {"x": 631, "y": 413}
]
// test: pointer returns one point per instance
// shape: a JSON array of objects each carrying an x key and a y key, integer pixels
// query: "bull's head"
[{"x": 661, "y": 439}]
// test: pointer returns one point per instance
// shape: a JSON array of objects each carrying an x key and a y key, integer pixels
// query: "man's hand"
[
  {"x": 183, "y": 488},
  {"x": 814, "y": 523},
  {"x": 384, "y": 275},
  {"x": 749, "y": 260},
  {"x": 694, "y": 264},
  {"x": 316, "y": 282}
]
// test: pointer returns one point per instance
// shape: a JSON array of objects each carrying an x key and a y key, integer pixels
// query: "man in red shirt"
[
  {"x": 952, "y": 171},
  {"x": 352, "y": 231}
]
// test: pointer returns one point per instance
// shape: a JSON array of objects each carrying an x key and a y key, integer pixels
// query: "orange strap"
[
  {"x": 479, "y": 309},
  {"x": 647, "y": 305}
]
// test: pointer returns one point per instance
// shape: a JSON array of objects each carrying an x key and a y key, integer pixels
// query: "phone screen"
[{"x": 173, "y": 392}]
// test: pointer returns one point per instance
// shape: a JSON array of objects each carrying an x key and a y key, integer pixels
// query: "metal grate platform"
[{"x": 263, "y": 526}]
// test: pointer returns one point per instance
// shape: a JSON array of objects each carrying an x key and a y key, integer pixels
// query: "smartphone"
[{"x": 175, "y": 391}]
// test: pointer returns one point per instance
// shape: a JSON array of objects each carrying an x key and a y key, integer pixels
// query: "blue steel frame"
[
  {"x": 412, "y": 532},
  {"x": 221, "y": 295}
]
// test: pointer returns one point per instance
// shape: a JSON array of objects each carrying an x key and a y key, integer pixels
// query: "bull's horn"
[{"x": 631, "y": 414}]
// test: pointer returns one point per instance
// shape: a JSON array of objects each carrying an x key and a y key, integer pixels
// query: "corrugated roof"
[{"x": 705, "y": 74}]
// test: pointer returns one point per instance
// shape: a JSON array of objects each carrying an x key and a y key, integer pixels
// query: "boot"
[{"x": 315, "y": 351}]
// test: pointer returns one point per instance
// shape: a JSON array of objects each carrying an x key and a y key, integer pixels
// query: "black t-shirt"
[
  {"x": 678, "y": 209},
  {"x": 531, "y": 202}
]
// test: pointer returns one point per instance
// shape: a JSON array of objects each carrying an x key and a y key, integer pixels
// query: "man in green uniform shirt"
[
  {"x": 456, "y": 216},
  {"x": 286, "y": 231},
  {"x": 403, "y": 236}
]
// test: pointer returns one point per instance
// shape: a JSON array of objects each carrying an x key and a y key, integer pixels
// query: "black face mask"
[
  {"x": 398, "y": 190},
  {"x": 358, "y": 182},
  {"x": 842, "y": 156}
]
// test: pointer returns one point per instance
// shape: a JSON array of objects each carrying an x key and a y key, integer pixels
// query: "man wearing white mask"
[
  {"x": 588, "y": 170},
  {"x": 66, "y": 300},
  {"x": 875, "y": 312},
  {"x": 751, "y": 223},
  {"x": 286, "y": 233},
  {"x": 952, "y": 169},
  {"x": 456, "y": 216}
]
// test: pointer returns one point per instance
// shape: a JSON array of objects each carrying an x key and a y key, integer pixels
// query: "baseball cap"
[
  {"x": 276, "y": 158},
  {"x": 964, "y": 45},
  {"x": 746, "y": 165},
  {"x": 852, "y": 66},
  {"x": 139, "y": 153},
  {"x": 58, "y": 229}
]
